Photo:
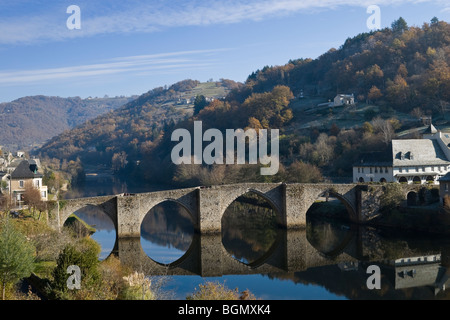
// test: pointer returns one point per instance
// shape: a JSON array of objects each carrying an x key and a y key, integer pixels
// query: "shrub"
[{"x": 218, "y": 291}]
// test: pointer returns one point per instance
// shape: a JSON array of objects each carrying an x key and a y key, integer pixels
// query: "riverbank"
[{"x": 431, "y": 219}]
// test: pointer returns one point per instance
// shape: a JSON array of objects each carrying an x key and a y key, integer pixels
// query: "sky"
[{"x": 115, "y": 48}]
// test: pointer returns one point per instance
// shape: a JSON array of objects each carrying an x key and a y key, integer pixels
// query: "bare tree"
[
  {"x": 385, "y": 128},
  {"x": 32, "y": 198}
]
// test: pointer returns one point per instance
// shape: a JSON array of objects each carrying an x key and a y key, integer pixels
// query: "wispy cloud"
[
  {"x": 142, "y": 63},
  {"x": 100, "y": 17}
]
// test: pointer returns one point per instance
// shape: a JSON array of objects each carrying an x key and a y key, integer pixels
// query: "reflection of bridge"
[
  {"x": 291, "y": 252},
  {"x": 208, "y": 257}
]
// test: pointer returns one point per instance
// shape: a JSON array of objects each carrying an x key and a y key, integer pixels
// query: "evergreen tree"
[
  {"x": 199, "y": 103},
  {"x": 16, "y": 255},
  {"x": 399, "y": 26}
]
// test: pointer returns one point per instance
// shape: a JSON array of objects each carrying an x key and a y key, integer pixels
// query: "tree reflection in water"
[{"x": 249, "y": 228}]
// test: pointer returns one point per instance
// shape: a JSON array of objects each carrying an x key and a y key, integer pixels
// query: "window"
[
  {"x": 446, "y": 186},
  {"x": 370, "y": 170},
  {"x": 21, "y": 183},
  {"x": 386, "y": 170},
  {"x": 43, "y": 194},
  {"x": 400, "y": 170},
  {"x": 359, "y": 170},
  {"x": 37, "y": 183},
  {"x": 376, "y": 170}
]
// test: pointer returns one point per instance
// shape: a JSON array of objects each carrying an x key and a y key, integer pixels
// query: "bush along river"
[{"x": 329, "y": 259}]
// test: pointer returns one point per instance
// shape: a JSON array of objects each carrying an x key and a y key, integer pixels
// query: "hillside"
[
  {"x": 30, "y": 121},
  {"x": 397, "y": 75},
  {"x": 125, "y": 134}
]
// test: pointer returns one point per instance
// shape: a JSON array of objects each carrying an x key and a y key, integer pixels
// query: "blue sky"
[{"x": 130, "y": 47}]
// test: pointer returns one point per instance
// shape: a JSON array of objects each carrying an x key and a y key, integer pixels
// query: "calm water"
[{"x": 330, "y": 263}]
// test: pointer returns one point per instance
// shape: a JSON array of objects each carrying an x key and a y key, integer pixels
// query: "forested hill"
[
  {"x": 30, "y": 121},
  {"x": 398, "y": 71},
  {"x": 134, "y": 129},
  {"x": 403, "y": 66}
]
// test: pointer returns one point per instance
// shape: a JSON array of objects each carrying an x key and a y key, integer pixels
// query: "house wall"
[
  {"x": 37, "y": 183},
  {"x": 421, "y": 172},
  {"x": 438, "y": 137},
  {"x": 372, "y": 174}
]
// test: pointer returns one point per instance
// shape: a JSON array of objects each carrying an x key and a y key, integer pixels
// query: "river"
[{"x": 412, "y": 266}]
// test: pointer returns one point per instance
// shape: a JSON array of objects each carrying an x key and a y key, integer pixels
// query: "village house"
[
  {"x": 339, "y": 100},
  {"x": 409, "y": 161},
  {"x": 26, "y": 174},
  {"x": 343, "y": 99}
]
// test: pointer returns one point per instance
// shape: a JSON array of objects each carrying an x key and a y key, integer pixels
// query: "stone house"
[{"x": 26, "y": 174}]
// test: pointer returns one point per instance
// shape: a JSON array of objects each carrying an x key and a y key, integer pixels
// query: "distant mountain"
[
  {"x": 125, "y": 134},
  {"x": 30, "y": 121}
]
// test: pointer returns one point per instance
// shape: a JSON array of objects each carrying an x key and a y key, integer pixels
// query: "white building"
[
  {"x": 409, "y": 161},
  {"x": 343, "y": 99}
]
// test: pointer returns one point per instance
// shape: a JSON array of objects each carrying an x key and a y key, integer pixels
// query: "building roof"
[
  {"x": 445, "y": 137},
  {"x": 417, "y": 152},
  {"x": 445, "y": 178},
  {"x": 25, "y": 170},
  {"x": 430, "y": 130},
  {"x": 375, "y": 159}
]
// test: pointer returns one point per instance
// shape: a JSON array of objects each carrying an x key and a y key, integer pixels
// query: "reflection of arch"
[
  {"x": 361, "y": 180},
  {"x": 417, "y": 180},
  {"x": 266, "y": 256},
  {"x": 193, "y": 247},
  {"x": 430, "y": 179},
  {"x": 342, "y": 245},
  {"x": 383, "y": 180},
  {"x": 411, "y": 198},
  {"x": 403, "y": 180},
  {"x": 343, "y": 235}
]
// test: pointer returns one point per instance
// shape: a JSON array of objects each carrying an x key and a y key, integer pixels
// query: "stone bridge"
[
  {"x": 207, "y": 256},
  {"x": 206, "y": 205}
]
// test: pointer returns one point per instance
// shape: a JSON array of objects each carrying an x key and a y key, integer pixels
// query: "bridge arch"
[
  {"x": 250, "y": 229},
  {"x": 261, "y": 194},
  {"x": 185, "y": 206},
  {"x": 177, "y": 232},
  {"x": 66, "y": 207},
  {"x": 332, "y": 192}
]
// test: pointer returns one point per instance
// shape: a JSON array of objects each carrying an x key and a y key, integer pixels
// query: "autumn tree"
[
  {"x": 300, "y": 172},
  {"x": 374, "y": 94},
  {"x": 270, "y": 108}
]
